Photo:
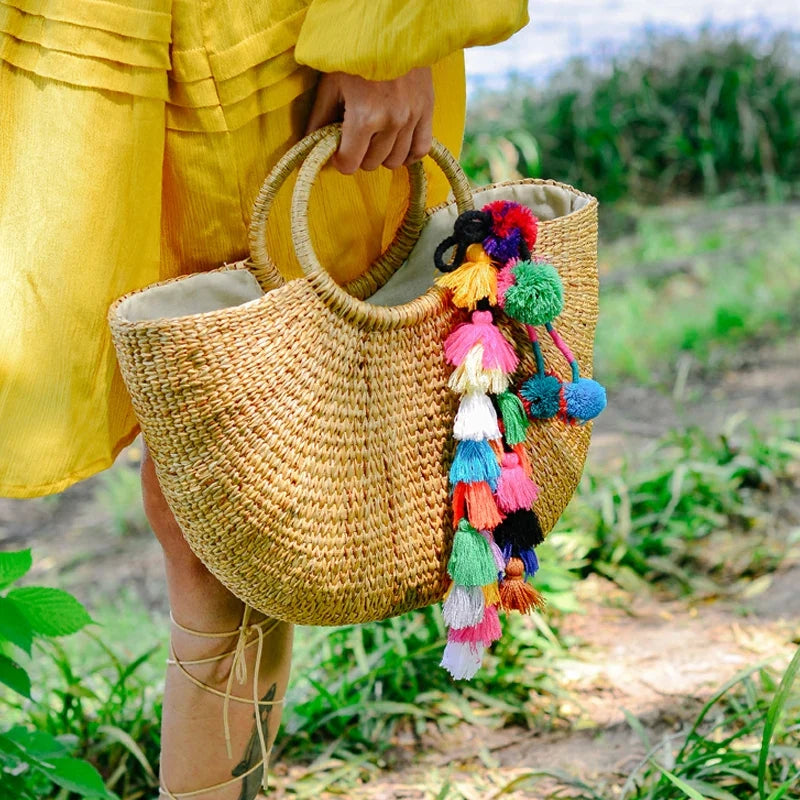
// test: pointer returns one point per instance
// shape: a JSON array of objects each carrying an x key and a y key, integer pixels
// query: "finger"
[
  {"x": 356, "y": 138},
  {"x": 327, "y": 107},
  {"x": 422, "y": 140},
  {"x": 401, "y": 150},
  {"x": 380, "y": 147}
]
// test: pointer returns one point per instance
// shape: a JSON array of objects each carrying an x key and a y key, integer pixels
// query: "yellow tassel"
[
  {"x": 474, "y": 280},
  {"x": 491, "y": 594}
]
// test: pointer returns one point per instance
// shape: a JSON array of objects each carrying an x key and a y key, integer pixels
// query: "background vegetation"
[{"x": 692, "y": 291}]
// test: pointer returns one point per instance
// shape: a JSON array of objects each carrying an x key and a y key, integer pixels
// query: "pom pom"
[
  {"x": 585, "y": 399},
  {"x": 485, "y": 632},
  {"x": 474, "y": 462},
  {"x": 459, "y": 502},
  {"x": 481, "y": 506},
  {"x": 512, "y": 224},
  {"x": 515, "y": 490},
  {"x": 515, "y": 420},
  {"x": 505, "y": 280},
  {"x": 522, "y": 454},
  {"x": 497, "y": 553},
  {"x": 473, "y": 281},
  {"x": 462, "y": 659},
  {"x": 498, "y": 352},
  {"x": 471, "y": 562},
  {"x": 491, "y": 594},
  {"x": 515, "y": 593},
  {"x": 469, "y": 377},
  {"x": 537, "y": 296},
  {"x": 476, "y": 418},
  {"x": 464, "y": 606},
  {"x": 521, "y": 529},
  {"x": 543, "y": 395}
]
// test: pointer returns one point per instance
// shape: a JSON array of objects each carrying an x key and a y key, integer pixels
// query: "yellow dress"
[{"x": 134, "y": 135}]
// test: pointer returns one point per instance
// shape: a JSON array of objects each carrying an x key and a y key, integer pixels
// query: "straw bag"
[{"x": 303, "y": 437}]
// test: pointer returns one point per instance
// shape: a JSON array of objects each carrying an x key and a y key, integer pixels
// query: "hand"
[{"x": 383, "y": 122}]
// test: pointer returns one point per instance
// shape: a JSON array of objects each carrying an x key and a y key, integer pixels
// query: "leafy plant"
[{"x": 32, "y": 761}]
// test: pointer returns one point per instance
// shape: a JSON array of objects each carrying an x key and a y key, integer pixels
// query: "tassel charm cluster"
[{"x": 491, "y": 484}]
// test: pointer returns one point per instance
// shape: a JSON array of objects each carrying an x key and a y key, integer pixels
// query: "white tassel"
[
  {"x": 476, "y": 419},
  {"x": 462, "y": 659},
  {"x": 463, "y": 607},
  {"x": 469, "y": 377}
]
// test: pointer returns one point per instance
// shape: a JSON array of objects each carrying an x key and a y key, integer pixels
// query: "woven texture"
[{"x": 303, "y": 440}]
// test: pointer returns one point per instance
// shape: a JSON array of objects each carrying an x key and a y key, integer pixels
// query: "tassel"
[
  {"x": 464, "y": 606},
  {"x": 462, "y": 659},
  {"x": 473, "y": 281},
  {"x": 515, "y": 490},
  {"x": 505, "y": 280},
  {"x": 491, "y": 596},
  {"x": 498, "y": 352},
  {"x": 476, "y": 418},
  {"x": 470, "y": 376},
  {"x": 521, "y": 529},
  {"x": 481, "y": 506},
  {"x": 516, "y": 594},
  {"x": 499, "y": 558},
  {"x": 524, "y": 461},
  {"x": 497, "y": 448},
  {"x": 515, "y": 420},
  {"x": 530, "y": 560},
  {"x": 471, "y": 562},
  {"x": 474, "y": 462},
  {"x": 459, "y": 502},
  {"x": 485, "y": 632}
]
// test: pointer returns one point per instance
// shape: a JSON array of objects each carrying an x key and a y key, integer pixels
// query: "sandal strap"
[{"x": 239, "y": 670}]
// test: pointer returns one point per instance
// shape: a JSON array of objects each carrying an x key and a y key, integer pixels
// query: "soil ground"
[{"x": 655, "y": 660}]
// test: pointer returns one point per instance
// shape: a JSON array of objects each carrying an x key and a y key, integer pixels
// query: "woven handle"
[
  {"x": 337, "y": 298},
  {"x": 262, "y": 265}
]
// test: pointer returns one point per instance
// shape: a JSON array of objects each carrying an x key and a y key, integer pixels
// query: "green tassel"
[
  {"x": 515, "y": 420},
  {"x": 471, "y": 562}
]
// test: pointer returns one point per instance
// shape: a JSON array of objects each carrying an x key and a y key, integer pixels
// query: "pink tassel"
[
  {"x": 498, "y": 353},
  {"x": 515, "y": 490},
  {"x": 485, "y": 632},
  {"x": 505, "y": 280},
  {"x": 462, "y": 659},
  {"x": 497, "y": 553}
]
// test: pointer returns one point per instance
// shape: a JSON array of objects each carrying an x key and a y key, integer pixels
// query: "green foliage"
[
  {"x": 710, "y": 114},
  {"x": 32, "y": 760},
  {"x": 694, "y": 518}
]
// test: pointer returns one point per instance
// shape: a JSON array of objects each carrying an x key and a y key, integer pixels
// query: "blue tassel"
[
  {"x": 474, "y": 461},
  {"x": 530, "y": 560}
]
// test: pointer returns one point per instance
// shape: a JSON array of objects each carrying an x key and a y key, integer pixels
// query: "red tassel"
[
  {"x": 516, "y": 594},
  {"x": 459, "y": 503},
  {"x": 482, "y": 510}
]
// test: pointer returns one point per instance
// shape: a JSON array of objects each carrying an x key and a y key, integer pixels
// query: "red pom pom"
[{"x": 507, "y": 215}]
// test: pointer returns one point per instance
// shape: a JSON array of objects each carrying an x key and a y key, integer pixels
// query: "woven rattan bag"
[{"x": 303, "y": 435}]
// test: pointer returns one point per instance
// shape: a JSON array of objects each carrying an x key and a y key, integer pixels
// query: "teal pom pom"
[
  {"x": 474, "y": 461},
  {"x": 543, "y": 394},
  {"x": 471, "y": 561},
  {"x": 515, "y": 420},
  {"x": 585, "y": 399},
  {"x": 537, "y": 295}
]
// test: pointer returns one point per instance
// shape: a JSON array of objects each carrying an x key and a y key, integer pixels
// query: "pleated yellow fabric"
[{"x": 134, "y": 135}]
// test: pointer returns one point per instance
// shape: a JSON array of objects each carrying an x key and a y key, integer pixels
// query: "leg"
[{"x": 193, "y": 747}]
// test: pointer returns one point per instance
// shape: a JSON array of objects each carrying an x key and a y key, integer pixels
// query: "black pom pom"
[{"x": 520, "y": 529}]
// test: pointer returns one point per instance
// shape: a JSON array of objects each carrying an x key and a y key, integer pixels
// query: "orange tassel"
[
  {"x": 516, "y": 594},
  {"x": 524, "y": 460},
  {"x": 491, "y": 594},
  {"x": 481, "y": 507},
  {"x": 474, "y": 280},
  {"x": 497, "y": 446},
  {"x": 459, "y": 503}
]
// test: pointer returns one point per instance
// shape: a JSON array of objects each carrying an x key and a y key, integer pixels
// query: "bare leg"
[{"x": 193, "y": 748}]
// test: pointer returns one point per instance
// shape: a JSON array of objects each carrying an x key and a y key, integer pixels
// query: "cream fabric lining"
[{"x": 211, "y": 291}]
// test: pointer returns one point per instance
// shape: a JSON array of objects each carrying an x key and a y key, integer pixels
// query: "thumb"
[{"x": 327, "y": 106}]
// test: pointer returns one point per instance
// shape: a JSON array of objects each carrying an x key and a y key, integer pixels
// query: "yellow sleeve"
[{"x": 383, "y": 39}]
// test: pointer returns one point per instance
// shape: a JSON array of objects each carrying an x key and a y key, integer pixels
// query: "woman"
[{"x": 134, "y": 135}]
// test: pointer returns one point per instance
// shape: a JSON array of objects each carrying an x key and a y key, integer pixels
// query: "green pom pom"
[
  {"x": 471, "y": 562},
  {"x": 515, "y": 420},
  {"x": 537, "y": 295}
]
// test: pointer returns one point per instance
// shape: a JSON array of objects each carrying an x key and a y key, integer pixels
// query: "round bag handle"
[
  {"x": 346, "y": 305},
  {"x": 263, "y": 267}
]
